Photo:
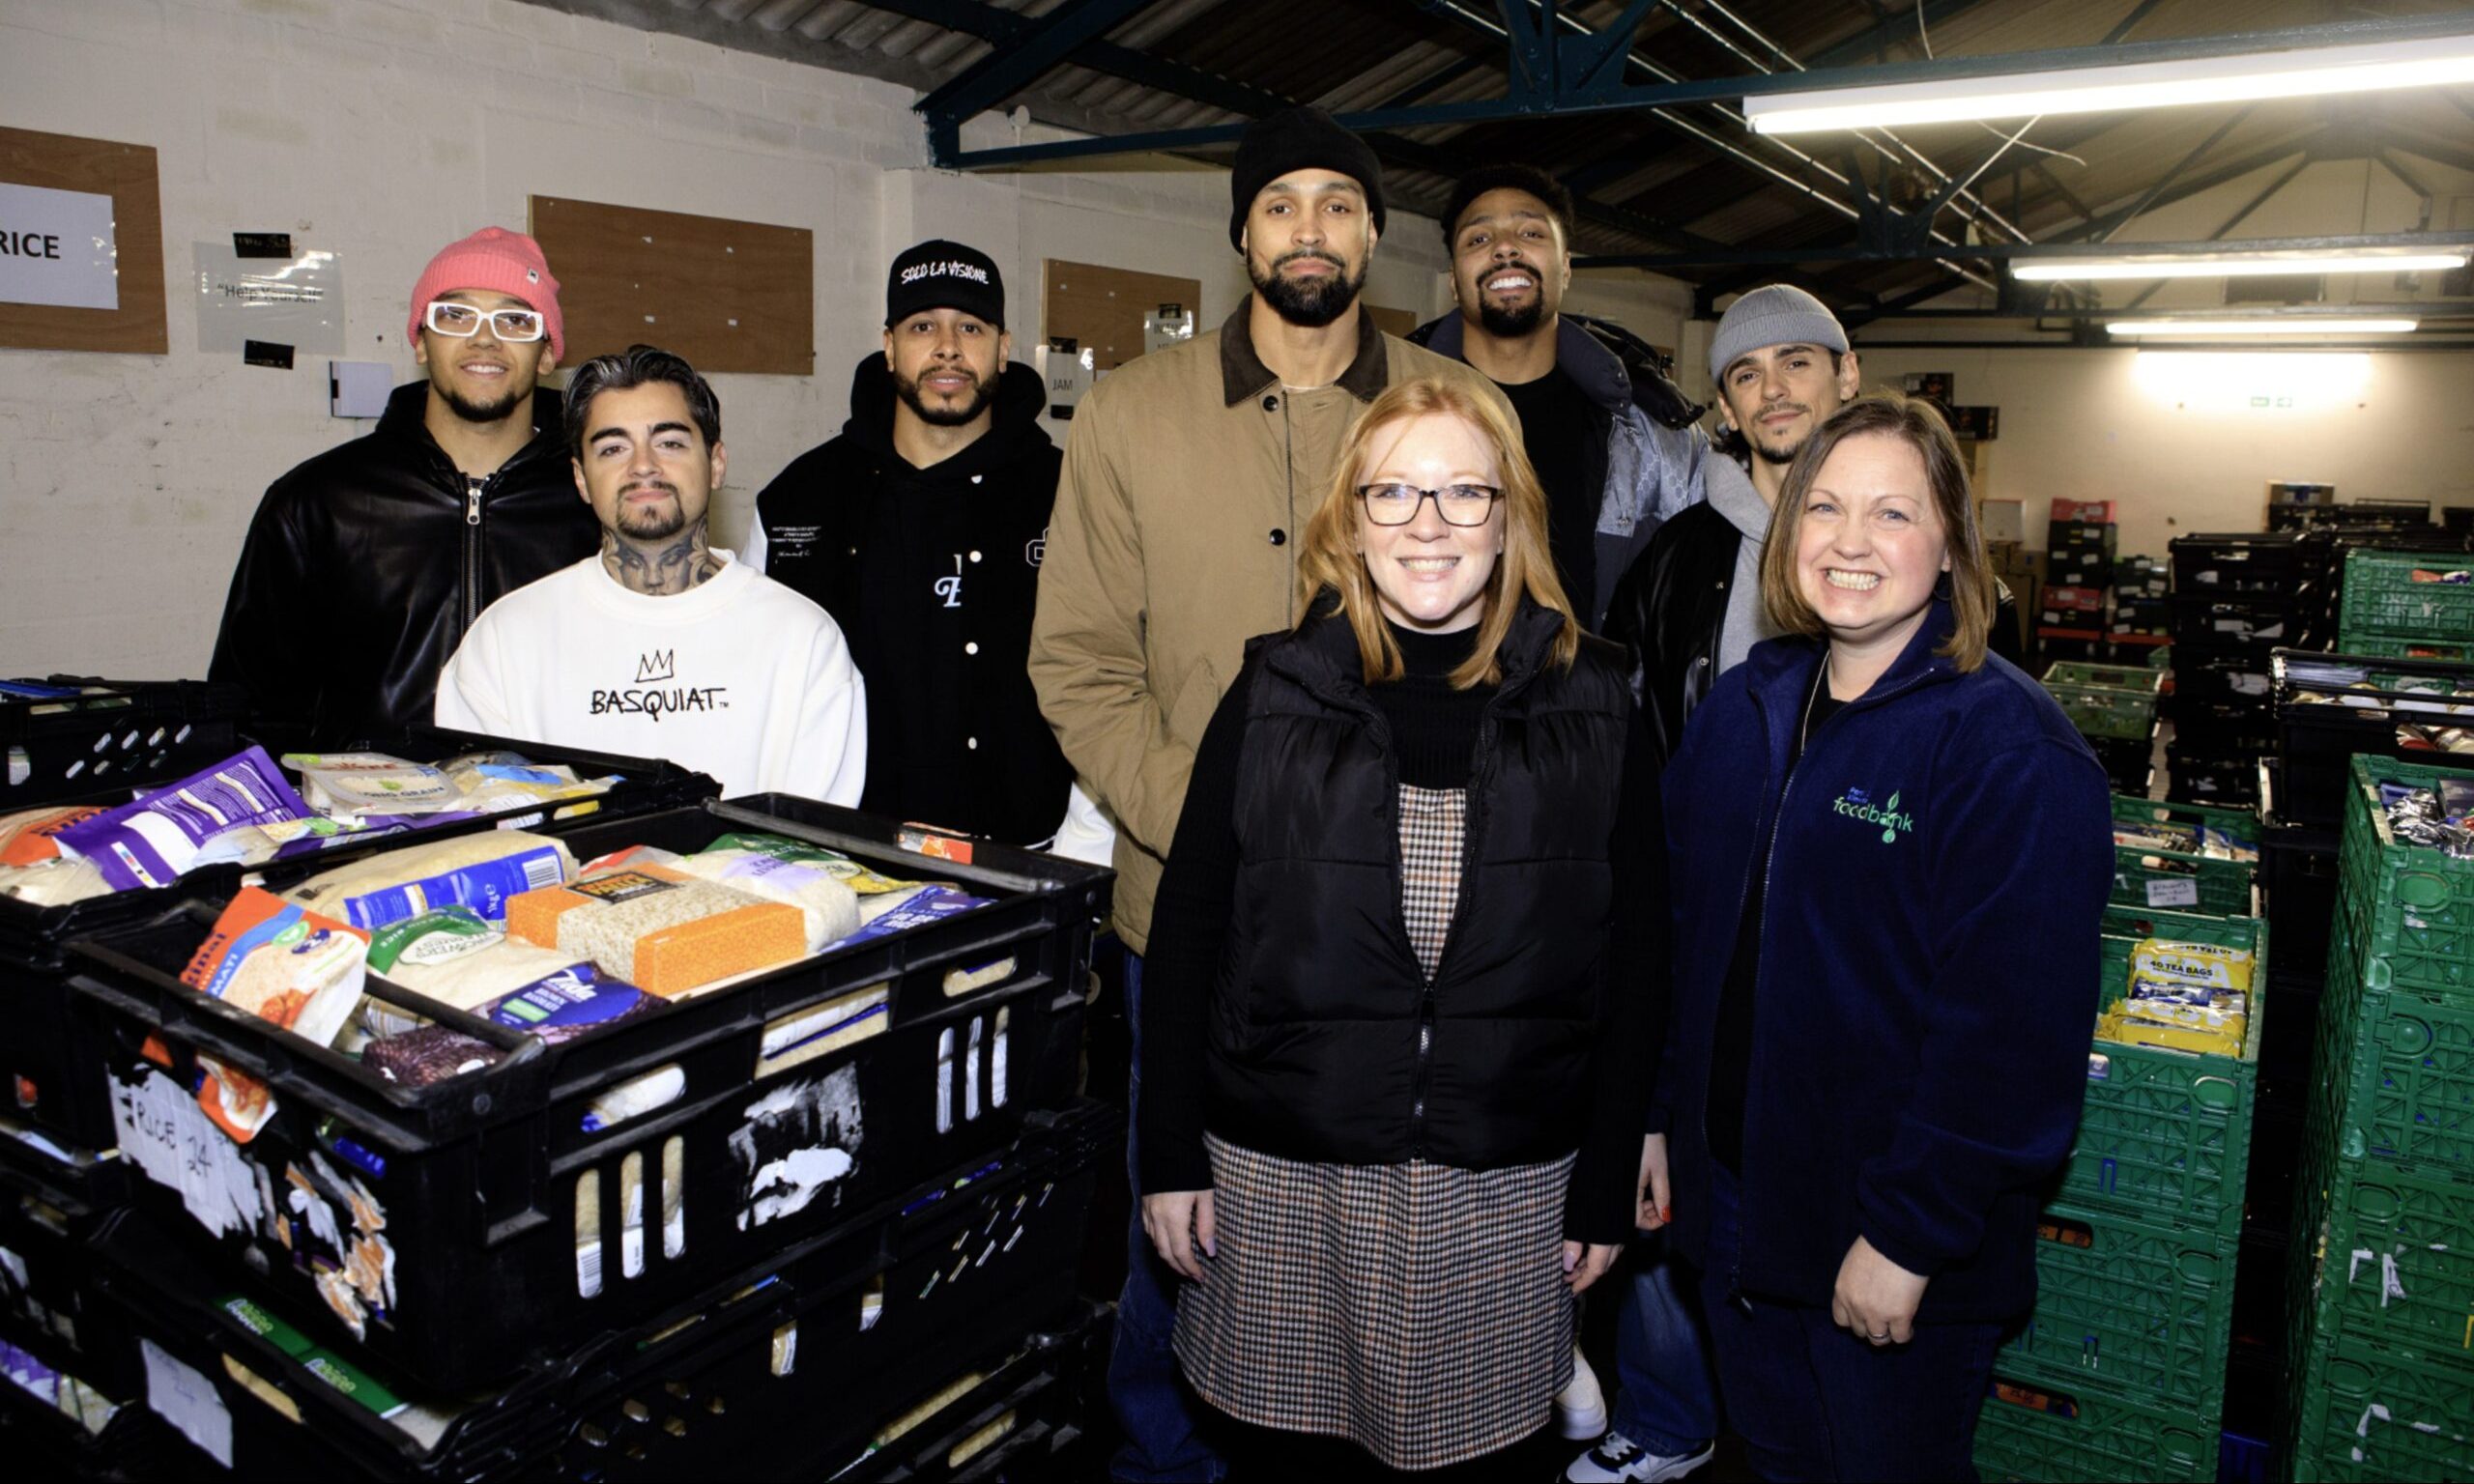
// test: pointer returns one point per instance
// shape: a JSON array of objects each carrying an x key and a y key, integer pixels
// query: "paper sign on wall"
[
  {"x": 297, "y": 302},
  {"x": 56, "y": 247}
]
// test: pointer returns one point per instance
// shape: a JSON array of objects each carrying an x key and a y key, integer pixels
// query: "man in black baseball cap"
[{"x": 921, "y": 529}]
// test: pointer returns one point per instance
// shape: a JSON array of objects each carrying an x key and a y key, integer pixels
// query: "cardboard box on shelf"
[{"x": 2001, "y": 520}]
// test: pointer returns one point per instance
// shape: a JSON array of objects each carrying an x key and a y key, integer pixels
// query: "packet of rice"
[{"x": 284, "y": 964}]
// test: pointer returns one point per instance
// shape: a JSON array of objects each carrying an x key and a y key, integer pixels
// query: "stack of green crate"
[
  {"x": 2186, "y": 880},
  {"x": 2118, "y": 721},
  {"x": 2120, "y": 1371},
  {"x": 2384, "y": 610},
  {"x": 2382, "y": 1296}
]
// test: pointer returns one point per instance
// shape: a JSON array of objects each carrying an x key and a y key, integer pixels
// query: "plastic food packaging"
[
  {"x": 830, "y": 907},
  {"x": 2116, "y": 1025},
  {"x": 29, "y": 837},
  {"x": 55, "y": 884},
  {"x": 2194, "y": 963},
  {"x": 659, "y": 929},
  {"x": 286, "y": 965},
  {"x": 453, "y": 956},
  {"x": 495, "y": 782},
  {"x": 167, "y": 833},
  {"x": 481, "y": 872},
  {"x": 346, "y": 785}
]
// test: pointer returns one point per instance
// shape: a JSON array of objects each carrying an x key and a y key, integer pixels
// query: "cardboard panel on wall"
[
  {"x": 729, "y": 295},
  {"x": 1103, "y": 308},
  {"x": 63, "y": 183}
]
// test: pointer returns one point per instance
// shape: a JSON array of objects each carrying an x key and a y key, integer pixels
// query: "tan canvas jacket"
[{"x": 1189, "y": 476}]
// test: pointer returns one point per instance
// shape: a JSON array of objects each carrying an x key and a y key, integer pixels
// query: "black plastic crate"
[
  {"x": 2245, "y": 620},
  {"x": 52, "y": 1057},
  {"x": 110, "y": 733},
  {"x": 2235, "y": 729},
  {"x": 2209, "y": 675},
  {"x": 1027, "y": 1420},
  {"x": 2209, "y": 778},
  {"x": 2212, "y": 563},
  {"x": 2371, "y": 697},
  {"x": 41, "y": 1441},
  {"x": 2300, "y": 883},
  {"x": 785, "y": 1370},
  {"x": 2130, "y": 762},
  {"x": 498, "y": 1192},
  {"x": 46, "y": 1284}
]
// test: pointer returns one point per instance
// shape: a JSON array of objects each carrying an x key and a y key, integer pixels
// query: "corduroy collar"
[{"x": 1243, "y": 374}]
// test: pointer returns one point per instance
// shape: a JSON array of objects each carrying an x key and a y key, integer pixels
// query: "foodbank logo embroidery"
[{"x": 1857, "y": 804}]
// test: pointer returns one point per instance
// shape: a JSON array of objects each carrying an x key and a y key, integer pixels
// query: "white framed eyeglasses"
[{"x": 447, "y": 317}]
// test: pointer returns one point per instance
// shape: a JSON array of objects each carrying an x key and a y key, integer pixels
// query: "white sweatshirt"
[{"x": 740, "y": 678}]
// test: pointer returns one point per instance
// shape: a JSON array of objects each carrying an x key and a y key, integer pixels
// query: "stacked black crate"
[
  {"x": 824, "y": 1218},
  {"x": 2076, "y": 617},
  {"x": 2237, "y": 597}
]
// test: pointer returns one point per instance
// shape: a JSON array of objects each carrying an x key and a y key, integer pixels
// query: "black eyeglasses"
[{"x": 1460, "y": 504}]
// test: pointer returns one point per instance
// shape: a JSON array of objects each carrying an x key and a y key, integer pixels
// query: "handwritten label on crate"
[
  {"x": 171, "y": 1142},
  {"x": 2173, "y": 892}
]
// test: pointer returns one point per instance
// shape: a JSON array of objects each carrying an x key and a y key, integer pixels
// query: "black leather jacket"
[
  {"x": 1668, "y": 608},
  {"x": 365, "y": 564}
]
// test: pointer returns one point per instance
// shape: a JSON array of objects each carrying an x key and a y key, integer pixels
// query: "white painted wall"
[{"x": 383, "y": 128}]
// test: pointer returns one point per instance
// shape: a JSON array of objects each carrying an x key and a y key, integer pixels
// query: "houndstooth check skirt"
[{"x": 1415, "y": 1309}]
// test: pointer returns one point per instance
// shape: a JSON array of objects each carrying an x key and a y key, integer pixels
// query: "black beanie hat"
[{"x": 1298, "y": 139}]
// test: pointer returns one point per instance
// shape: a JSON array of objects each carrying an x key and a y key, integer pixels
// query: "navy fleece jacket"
[{"x": 1929, "y": 959}]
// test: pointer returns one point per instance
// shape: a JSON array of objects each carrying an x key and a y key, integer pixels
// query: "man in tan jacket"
[{"x": 1189, "y": 475}]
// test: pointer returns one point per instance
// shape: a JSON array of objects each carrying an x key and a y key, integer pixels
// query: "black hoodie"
[{"x": 932, "y": 575}]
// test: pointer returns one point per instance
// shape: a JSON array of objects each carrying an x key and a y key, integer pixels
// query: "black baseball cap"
[{"x": 938, "y": 274}]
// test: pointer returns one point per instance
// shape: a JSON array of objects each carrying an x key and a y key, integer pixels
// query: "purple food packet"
[{"x": 161, "y": 835}]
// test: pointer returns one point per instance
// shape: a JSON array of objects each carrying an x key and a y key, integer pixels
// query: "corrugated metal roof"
[{"x": 1211, "y": 61}]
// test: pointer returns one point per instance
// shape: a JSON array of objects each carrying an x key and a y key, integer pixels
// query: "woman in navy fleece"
[{"x": 1890, "y": 851}]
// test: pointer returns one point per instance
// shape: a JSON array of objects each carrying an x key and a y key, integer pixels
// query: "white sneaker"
[
  {"x": 1619, "y": 1460},
  {"x": 1580, "y": 1408}
]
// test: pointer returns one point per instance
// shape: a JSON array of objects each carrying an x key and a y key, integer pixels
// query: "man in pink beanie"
[{"x": 366, "y": 564}]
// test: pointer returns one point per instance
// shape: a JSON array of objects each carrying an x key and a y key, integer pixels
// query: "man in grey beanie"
[{"x": 1690, "y": 607}]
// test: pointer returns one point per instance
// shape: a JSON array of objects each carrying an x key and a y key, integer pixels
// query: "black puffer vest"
[{"x": 1327, "y": 1043}]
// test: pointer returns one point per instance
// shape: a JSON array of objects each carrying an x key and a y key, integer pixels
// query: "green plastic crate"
[
  {"x": 2382, "y": 647},
  {"x": 2122, "y": 716},
  {"x": 2389, "y": 1250},
  {"x": 2411, "y": 909},
  {"x": 2112, "y": 678},
  {"x": 2165, "y": 1137},
  {"x": 2137, "y": 1308},
  {"x": 2381, "y": 597},
  {"x": 2161, "y": 657},
  {"x": 2396, "y": 1068},
  {"x": 2365, "y": 1413},
  {"x": 2182, "y": 880},
  {"x": 2033, "y": 1427}
]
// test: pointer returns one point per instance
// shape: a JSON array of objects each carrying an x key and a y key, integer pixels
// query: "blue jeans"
[
  {"x": 1812, "y": 1401},
  {"x": 1155, "y": 1407},
  {"x": 1666, "y": 1398}
]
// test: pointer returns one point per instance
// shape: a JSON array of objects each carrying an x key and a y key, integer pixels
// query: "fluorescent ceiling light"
[
  {"x": 2293, "y": 325},
  {"x": 2085, "y": 269},
  {"x": 2309, "y": 71}
]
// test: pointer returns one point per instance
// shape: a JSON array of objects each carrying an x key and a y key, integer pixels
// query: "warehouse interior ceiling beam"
[
  {"x": 1638, "y": 106},
  {"x": 2365, "y": 243},
  {"x": 1580, "y": 81}
]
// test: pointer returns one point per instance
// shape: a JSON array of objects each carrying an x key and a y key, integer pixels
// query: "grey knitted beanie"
[{"x": 1778, "y": 314}]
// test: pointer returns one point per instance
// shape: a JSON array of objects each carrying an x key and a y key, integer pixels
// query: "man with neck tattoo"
[
  {"x": 664, "y": 646},
  {"x": 921, "y": 529},
  {"x": 366, "y": 564}
]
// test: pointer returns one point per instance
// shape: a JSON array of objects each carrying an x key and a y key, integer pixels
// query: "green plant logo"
[{"x": 1857, "y": 804}]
